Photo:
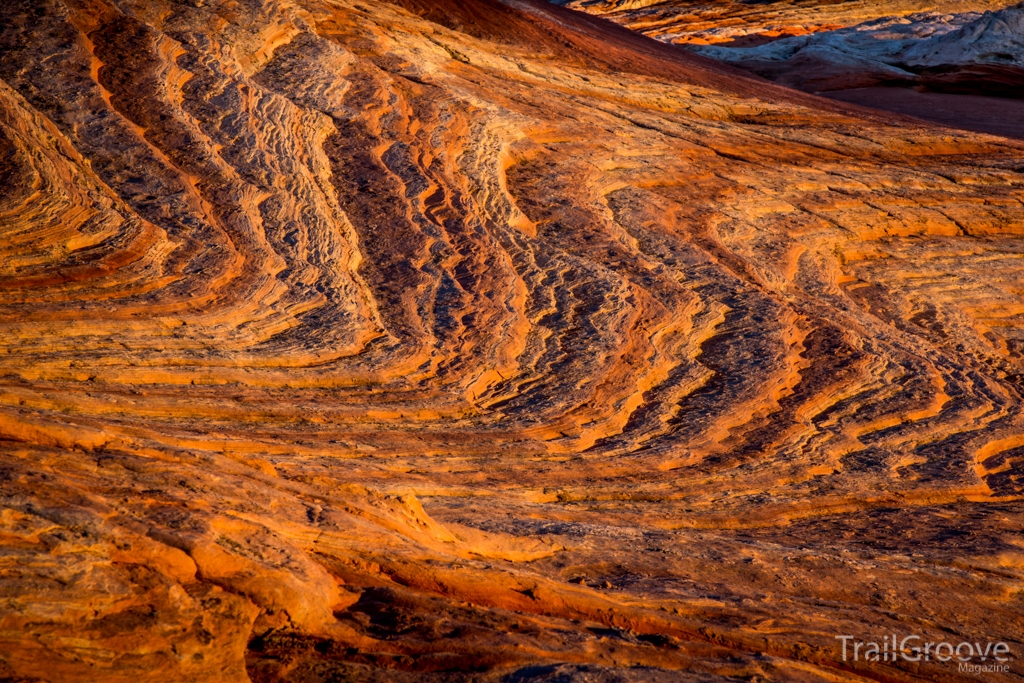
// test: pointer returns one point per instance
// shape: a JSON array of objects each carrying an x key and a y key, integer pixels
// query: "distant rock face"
[
  {"x": 992, "y": 38},
  {"x": 740, "y": 23},
  {"x": 350, "y": 340},
  {"x": 979, "y": 52},
  {"x": 840, "y": 46}
]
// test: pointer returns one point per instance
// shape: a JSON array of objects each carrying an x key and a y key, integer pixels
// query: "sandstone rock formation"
[{"x": 441, "y": 341}]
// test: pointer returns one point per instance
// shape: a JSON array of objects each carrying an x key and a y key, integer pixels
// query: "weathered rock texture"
[{"x": 347, "y": 340}]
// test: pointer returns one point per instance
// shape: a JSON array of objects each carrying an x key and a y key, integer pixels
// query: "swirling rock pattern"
[{"x": 348, "y": 340}]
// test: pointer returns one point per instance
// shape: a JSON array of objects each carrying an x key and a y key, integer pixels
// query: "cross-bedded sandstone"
[{"x": 348, "y": 340}]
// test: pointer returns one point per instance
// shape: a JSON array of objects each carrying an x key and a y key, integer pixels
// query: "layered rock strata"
[{"x": 350, "y": 340}]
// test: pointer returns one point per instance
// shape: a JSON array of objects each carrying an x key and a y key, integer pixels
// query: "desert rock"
[{"x": 443, "y": 341}]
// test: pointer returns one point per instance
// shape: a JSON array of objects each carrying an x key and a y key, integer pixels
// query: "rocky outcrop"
[{"x": 350, "y": 340}]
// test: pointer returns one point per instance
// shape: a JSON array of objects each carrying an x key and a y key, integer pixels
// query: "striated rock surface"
[{"x": 442, "y": 341}]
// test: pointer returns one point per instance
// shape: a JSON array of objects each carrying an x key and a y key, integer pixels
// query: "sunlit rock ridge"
[{"x": 488, "y": 341}]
